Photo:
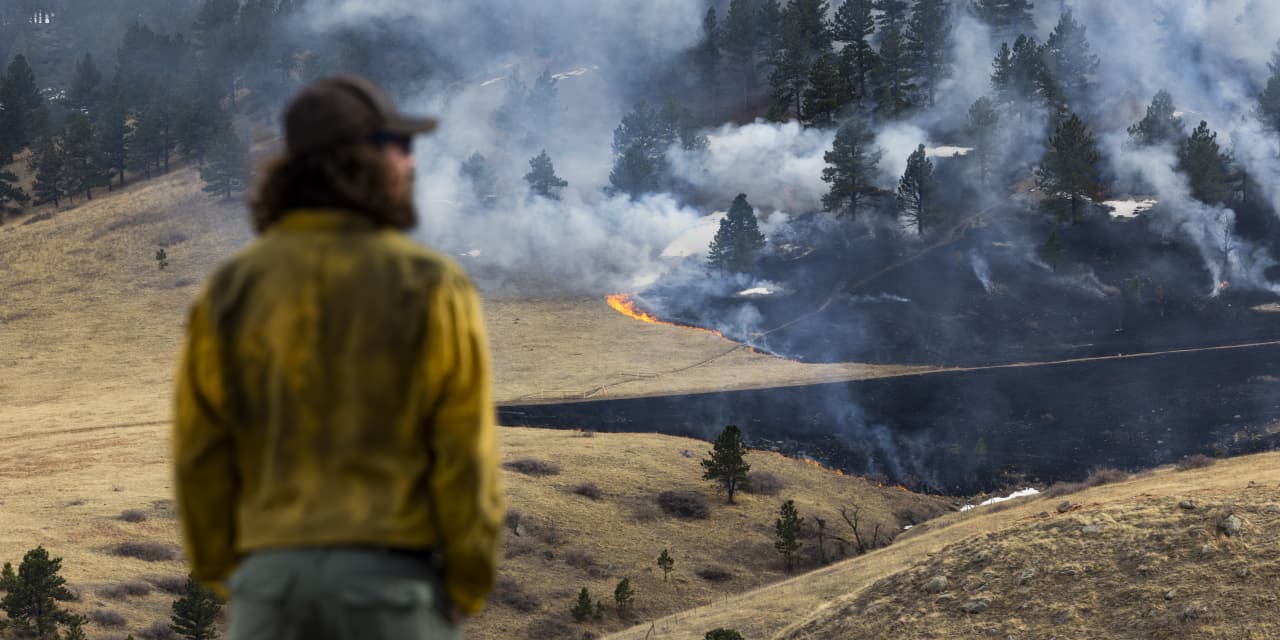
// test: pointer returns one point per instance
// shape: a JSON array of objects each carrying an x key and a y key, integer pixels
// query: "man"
[{"x": 334, "y": 439}]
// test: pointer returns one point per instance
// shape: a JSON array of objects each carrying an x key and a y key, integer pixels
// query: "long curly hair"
[{"x": 355, "y": 178}]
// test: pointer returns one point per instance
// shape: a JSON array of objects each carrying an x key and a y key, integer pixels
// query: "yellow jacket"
[{"x": 335, "y": 390}]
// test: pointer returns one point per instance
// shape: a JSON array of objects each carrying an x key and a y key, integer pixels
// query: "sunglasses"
[{"x": 383, "y": 139}]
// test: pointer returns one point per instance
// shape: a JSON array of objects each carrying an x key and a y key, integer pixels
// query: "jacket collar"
[{"x": 323, "y": 220}]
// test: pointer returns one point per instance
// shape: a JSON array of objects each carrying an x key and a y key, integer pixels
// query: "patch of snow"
[
  {"x": 489, "y": 82},
  {"x": 576, "y": 72},
  {"x": 947, "y": 151},
  {"x": 474, "y": 253},
  {"x": 696, "y": 241},
  {"x": 1029, "y": 491},
  {"x": 1129, "y": 208},
  {"x": 756, "y": 291}
]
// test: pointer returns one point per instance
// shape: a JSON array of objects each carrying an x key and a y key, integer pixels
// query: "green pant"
[{"x": 345, "y": 593}]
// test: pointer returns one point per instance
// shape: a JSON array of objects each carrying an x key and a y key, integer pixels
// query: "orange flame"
[
  {"x": 814, "y": 463},
  {"x": 1223, "y": 285},
  {"x": 624, "y": 304}
]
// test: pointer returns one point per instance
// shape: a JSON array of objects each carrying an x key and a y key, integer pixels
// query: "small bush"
[
  {"x": 107, "y": 618},
  {"x": 172, "y": 585},
  {"x": 533, "y": 467},
  {"x": 580, "y": 559},
  {"x": 1197, "y": 461},
  {"x": 713, "y": 573},
  {"x": 122, "y": 590},
  {"x": 514, "y": 519},
  {"x": 508, "y": 592},
  {"x": 763, "y": 483},
  {"x": 159, "y": 630},
  {"x": 1096, "y": 478},
  {"x": 589, "y": 490},
  {"x": 550, "y": 627},
  {"x": 684, "y": 504},
  {"x": 133, "y": 515},
  {"x": 149, "y": 551}
]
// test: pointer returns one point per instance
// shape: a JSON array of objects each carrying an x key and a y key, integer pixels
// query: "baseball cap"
[{"x": 345, "y": 109}]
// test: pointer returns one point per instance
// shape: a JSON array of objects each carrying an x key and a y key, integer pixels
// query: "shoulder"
[{"x": 424, "y": 261}]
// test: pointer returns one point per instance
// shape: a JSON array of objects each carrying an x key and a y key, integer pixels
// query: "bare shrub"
[
  {"x": 107, "y": 618},
  {"x": 580, "y": 559},
  {"x": 645, "y": 511},
  {"x": 172, "y": 585},
  {"x": 159, "y": 630},
  {"x": 170, "y": 239},
  {"x": 122, "y": 590},
  {"x": 75, "y": 502},
  {"x": 550, "y": 627},
  {"x": 1197, "y": 461},
  {"x": 144, "y": 550},
  {"x": 514, "y": 520},
  {"x": 1096, "y": 478},
  {"x": 689, "y": 505},
  {"x": 589, "y": 490},
  {"x": 508, "y": 592},
  {"x": 133, "y": 515},
  {"x": 763, "y": 483},
  {"x": 713, "y": 573},
  {"x": 533, "y": 467}
]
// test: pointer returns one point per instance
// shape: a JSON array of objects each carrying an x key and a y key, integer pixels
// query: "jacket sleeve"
[
  {"x": 204, "y": 469},
  {"x": 464, "y": 482}
]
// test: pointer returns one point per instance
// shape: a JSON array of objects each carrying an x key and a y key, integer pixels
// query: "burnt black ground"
[{"x": 961, "y": 432}]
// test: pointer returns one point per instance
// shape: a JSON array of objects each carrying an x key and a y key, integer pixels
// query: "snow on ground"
[
  {"x": 756, "y": 292},
  {"x": 697, "y": 240},
  {"x": 474, "y": 253},
  {"x": 1016, "y": 494},
  {"x": 947, "y": 151},
  {"x": 1129, "y": 208},
  {"x": 576, "y": 72}
]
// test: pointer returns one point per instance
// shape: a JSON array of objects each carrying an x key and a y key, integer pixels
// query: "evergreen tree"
[
  {"x": 851, "y": 166},
  {"x": 666, "y": 563},
  {"x": 1068, "y": 62},
  {"x": 768, "y": 24},
  {"x": 624, "y": 597},
  {"x": 1007, "y": 18},
  {"x": 75, "y": 629},
  {"x": 482, "y": 178},
  {"x": 740, "y": 41},
  {"x": 542, "y": 177},
  {"x": 725, "y": 464},
  {"x": 790, "y": 62},
  {"x": 893, "y": 86},
  {"x": 640, "y": 144},
  {"x": 32, "y": 594},
  {"x": 1002, "y": 75},
  {"x": 707, "y": 52},
  {"x": 810, "y": 20},
  {"x": 1068, "y": 173},
  {"x": 114, "y": 133},
  {"x": 982, "y": 128},
  {"x": 226, "y": 168},
  {"x": 195, "y": 613},
  {"x": 198, "y": 119},
  {"x": 82, "y": 166},
  {"x": 916, "y": 190},
  {"x": 1269, "y": 99},
  {"x": 826, "y": 94},
  {"x": 510, "y": 116},
  {"x": 928, "y": 45},
  {"x": 12, "y": 196},
  {"x": 1159, "y": 126},
  {"x": 20, "y": 104},
  {"x": 786, "y": 531},
  {"x": 738, "y": 239},
  {"x": 635, "y": 173},
  {"x": 85, "y": 84},
  {"x": 1027, "y": 67},
  {"x": 721, "y": 633},
  {"x": 853, "y": 25},
  {"x": 582, "y": 608},
  {"x": 152, "y": 141},
  {"x": 50, "y": 183},
  {"x": 540, "y": 106},
  {"x": 1206, "y": 168},
  {"x": 893, "y": 14}
]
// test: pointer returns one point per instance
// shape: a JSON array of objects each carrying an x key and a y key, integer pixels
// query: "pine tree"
[
  {"x": 82, "y": 166},
  {"x": 790, "y": 62},
  {"x": 114, "y": 132},
  {"x": 226, "y": 168},
  {"x": 786, "y": 531},
  {"x": 582, "y": 608},
  {"x": 540, "y": 106},
  {"x": 738, "y": 239},
  {"x": 152, "y": 142},
  {"x": 826, "y": 94},
  {"x": 20, "y": 104},
  {"x": 85, "y": 84},
  {"x": 893, "y": 86},
  {"x": 707, "y": 52},
  {"x": 1269, "y": 99},
  {"x": 640, "y": 144},
  {"x": 75, "y": 629},
  {"x": 721, "y": 633},
  {"x": 1002, "y": 75},
  {"x": 810, "y": 19},
  {"x": 1068, "y": 62},
  {"x": 851, "y": 166},
  {"x": 893, "y": 14},
  {"x": 928, "y": 45},
  {"x": 1206, "y": 168},
  {"x": 1159, "y": 126},
  {"x": 32, "y": 594},
  {"x": 740, "y": 42},
  {"x": 50, "y": 184},
  {"x": 482, "y": 178},
  {"x": 1027, "y": 69},
  {"x": 666, "y": 563},
  {"x": 982, "y": 128},
  {"x": 195, "y": 613},
  {"x": 624, "y": 597},
  {"x": 853, "y": 25},
  {"x": 1068, "y": 173},
  {"x": 725, "y": 464},
  {"x": 12, "y": 195},
  {"x": 1007, "y": 18},
  {"x": 635, "y": 173},
  {"x": 768, "y": 21},
  {"x": 542, "y": 177},
  {"x": 916, "y": 190}
]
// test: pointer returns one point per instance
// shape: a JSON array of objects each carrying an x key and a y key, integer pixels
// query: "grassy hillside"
[{"x": 1148, "y": 557}]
